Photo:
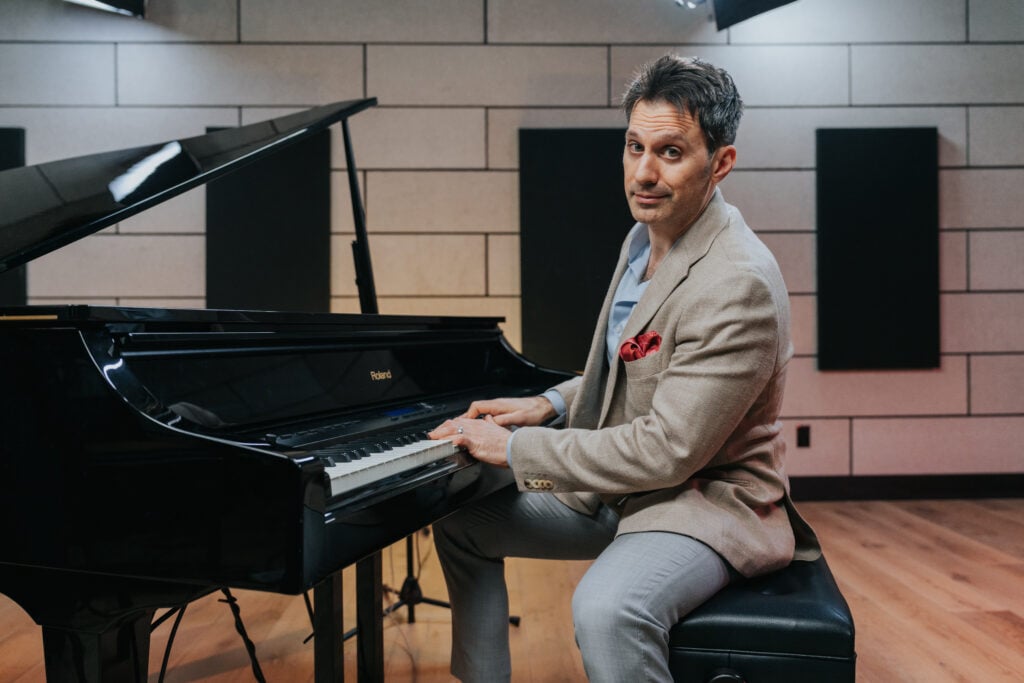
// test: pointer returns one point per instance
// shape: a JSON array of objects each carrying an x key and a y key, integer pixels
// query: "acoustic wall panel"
[
  {"x": 13, "y": 289},
  {"x": 268, "y": 232},
  {"x": 877, "y": 248},
  {"x": 573, "y": 218}
]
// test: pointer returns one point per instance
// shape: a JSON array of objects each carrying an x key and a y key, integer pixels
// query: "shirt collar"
[{"x": 639, "y": 252}]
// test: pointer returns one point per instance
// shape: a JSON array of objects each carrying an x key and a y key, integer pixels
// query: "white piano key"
[{"x": 377, "y": 466}]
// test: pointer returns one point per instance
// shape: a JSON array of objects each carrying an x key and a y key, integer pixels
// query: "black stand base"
[{"x": 410, "y": 594}]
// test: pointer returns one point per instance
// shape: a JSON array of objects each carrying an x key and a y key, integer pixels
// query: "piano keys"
[
  {"x": 153, "y": 455},
  {"x": 355, "y": 465}
]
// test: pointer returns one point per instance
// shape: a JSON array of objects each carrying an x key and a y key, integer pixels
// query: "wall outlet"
[{"x": 803, "y": 436}]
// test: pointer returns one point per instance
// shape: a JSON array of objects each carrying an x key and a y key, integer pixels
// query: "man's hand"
[
  {"x": 484, "y": 439},
  {"x": 521, "y": 412}
]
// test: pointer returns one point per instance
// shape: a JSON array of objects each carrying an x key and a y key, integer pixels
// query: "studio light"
[
  {"x": 132, "y": 8},
  {"x": 729, "y": 12}
]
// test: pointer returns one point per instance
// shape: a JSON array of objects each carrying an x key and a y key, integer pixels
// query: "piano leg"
[
  {"x": 370, "y": 619},
  {"x": 117, "y": 655},
  {"x": 95, "y": 627},
  {"x": 328, "y": 655}
]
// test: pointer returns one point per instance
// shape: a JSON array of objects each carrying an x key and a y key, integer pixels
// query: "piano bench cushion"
[{"x": 790, "y": 625}]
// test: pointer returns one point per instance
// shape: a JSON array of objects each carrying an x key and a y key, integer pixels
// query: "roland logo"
[{"x": 380, "y": 375}]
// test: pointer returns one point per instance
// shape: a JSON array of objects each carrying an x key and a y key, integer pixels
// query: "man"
[{"x": 669, "y": 470}]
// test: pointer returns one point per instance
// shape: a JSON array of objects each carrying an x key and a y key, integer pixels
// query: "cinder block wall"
[{"x": 438, "y": 160}]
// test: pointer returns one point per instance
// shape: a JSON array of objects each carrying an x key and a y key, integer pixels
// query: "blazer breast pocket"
[
  {"x": 645, "y": 367},
  {"x": 641, "y": 382}
]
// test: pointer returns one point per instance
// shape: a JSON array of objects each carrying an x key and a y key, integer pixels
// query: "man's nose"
[{"x": 646, "y": 170}]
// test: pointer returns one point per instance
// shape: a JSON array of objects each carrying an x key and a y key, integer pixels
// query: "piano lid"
[{"x": 47, "y": 206}]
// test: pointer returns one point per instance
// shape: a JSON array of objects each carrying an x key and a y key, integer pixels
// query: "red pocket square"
[{"x": 639, "y": 346}]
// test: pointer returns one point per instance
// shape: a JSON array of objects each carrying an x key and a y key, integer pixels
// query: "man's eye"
[
  {"x": 634, "y": 147},
  {"x": 672, "y": 153}
]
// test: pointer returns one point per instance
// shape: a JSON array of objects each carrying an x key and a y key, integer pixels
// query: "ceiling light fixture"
[
  {"x": 729, "y": 12},
  {"x": 132, "y": 8}
]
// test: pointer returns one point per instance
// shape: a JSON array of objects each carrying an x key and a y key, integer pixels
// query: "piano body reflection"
[{"x": 153, "y": 455}]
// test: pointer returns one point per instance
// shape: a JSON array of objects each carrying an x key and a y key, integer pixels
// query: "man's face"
[{"x": 669, "y": 177}]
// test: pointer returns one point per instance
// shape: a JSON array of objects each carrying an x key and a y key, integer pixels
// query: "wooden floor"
[{"x": 936, "y": 589}]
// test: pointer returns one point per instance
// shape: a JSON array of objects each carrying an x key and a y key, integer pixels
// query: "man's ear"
[{"x": 723, "y": 162}]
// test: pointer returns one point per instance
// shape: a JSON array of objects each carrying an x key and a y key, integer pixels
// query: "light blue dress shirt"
[{"x": 627, "y": 294}]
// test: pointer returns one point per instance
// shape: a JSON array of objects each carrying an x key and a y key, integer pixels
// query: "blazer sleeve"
[{"x": 723, "y": 351}]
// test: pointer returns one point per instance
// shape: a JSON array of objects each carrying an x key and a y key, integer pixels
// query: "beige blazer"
[{"x": 686, "y": 439}]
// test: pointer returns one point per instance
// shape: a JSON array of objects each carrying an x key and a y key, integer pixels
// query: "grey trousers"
[{"x": 638, "y": 587}]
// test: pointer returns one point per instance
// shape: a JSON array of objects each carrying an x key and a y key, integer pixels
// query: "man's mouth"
[{"x": 647, "y": 198}]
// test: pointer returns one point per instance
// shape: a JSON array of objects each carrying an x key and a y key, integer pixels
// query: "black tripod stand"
[{"x": 411, "y": 594}]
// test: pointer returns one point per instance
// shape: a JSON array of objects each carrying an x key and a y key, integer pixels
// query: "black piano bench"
[{"x": 790, "y": 626}]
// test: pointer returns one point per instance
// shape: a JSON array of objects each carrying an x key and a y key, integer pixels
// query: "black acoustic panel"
[
  {"x": 268, "y": 232},
  {"x": 13, "y": 288},
  {"x": 878, "y": 248},
  {"x": 729, "y": 12},
  {"x": 573, "y": 218}
]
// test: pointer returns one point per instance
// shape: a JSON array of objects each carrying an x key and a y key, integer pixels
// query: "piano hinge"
[{"x": 28, "y": 317}]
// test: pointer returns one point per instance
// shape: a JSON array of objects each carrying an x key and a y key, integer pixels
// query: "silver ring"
[{"x": 459, "y": 430}]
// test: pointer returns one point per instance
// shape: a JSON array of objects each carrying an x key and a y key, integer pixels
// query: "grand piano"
[{"x": 151, "y": 456}]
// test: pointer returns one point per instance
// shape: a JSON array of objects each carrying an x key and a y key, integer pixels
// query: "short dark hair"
[{"x": 695, "y": 87}]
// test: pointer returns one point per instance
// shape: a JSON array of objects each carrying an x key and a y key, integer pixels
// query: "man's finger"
[{"x": 504, "y": 419}]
